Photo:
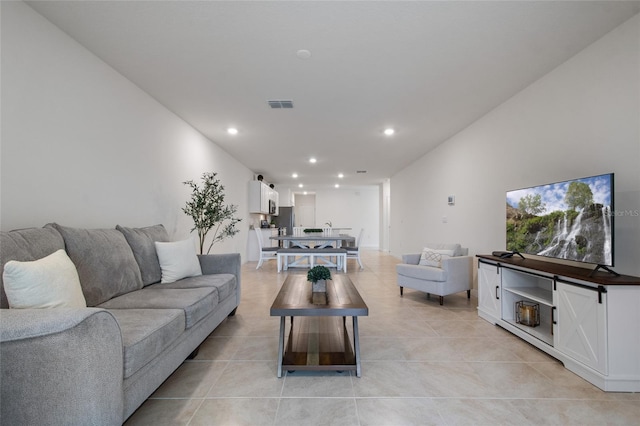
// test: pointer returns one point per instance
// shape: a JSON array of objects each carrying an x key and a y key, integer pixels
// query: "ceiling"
[{"x": 426, "y": 68}]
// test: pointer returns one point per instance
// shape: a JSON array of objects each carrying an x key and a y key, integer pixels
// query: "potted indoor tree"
[
  {"x": 208, "y": 211},
  {"x": 318, "y": 275}
]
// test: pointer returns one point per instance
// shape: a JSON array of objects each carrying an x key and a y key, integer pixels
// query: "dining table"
[{"x": 314, "y": 240}]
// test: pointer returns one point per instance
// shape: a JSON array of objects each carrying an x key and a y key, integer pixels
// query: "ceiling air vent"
[
  {"x": 280, "y": 103},
  {"x": 361, "y": 171}
]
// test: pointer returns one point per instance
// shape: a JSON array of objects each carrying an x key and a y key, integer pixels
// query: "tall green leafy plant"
[{"x": 208, "y": 211}]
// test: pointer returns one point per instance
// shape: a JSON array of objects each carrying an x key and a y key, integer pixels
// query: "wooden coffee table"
[{"x": 319, "y": 339}]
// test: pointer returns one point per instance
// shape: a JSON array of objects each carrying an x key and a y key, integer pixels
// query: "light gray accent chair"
[
  {"x": 97, "y": 365},
  {"x": 454, "y": 275}
]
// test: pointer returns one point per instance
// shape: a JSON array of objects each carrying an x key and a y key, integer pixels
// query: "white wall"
[
  {"x": 350, "y": 207},
  {"x": 581, "y": 119},
  {"x": 83, "y": 146}
]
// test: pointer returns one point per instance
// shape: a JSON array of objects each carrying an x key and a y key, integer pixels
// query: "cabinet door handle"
[
  {"x": 553, "y": 316},
  {"x": 497, "y": 296}
]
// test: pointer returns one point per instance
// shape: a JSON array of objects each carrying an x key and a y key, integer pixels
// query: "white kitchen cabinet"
[
  {"x": 590, "y": 323},
  {"x": 259, "y": 196},
  {"x": 274, "y": 196},
  {"x": 287, "y": 198}
]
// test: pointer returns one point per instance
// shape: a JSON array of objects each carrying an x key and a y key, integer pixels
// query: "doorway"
[{"x": 305, "y": 210}]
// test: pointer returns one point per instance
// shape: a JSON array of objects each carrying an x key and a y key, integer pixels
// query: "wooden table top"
[
  {"x": 600, "y": 277},
  {"x": 313, "y": 237},
  {"x": 294, "y": 298}
]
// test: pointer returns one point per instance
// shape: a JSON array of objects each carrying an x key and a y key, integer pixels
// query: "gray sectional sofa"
[{"x": 96, "y": 365}]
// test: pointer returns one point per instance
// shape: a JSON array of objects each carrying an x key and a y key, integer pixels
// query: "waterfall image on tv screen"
[{"x": 570, "y": 220}]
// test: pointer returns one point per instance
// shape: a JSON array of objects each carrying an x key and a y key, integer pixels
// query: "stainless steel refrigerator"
[{"x": 285, "y": 219}]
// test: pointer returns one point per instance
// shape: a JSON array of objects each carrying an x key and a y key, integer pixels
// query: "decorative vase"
[{"x": 319, "y": 292}]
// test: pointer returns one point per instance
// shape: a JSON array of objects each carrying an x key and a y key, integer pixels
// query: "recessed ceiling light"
[
  {"x": 232, "y": 131},
  {"x": 312, "y": 160},
  {"x": 303, "y": 54},
  {"x": 300, "y": 185},
  {"x": 304, "y": 192},
  {"x": 389, "y": 131},
  {"x": 337, "y": 185},
  {"x": 340, "y": 175},
  {"x": 295, "y": 175}
]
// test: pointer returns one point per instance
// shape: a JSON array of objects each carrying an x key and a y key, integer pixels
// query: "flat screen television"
[{"x": 571, "y": 220}]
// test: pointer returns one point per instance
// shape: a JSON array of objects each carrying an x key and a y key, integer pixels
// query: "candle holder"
[{"x": 528, "y": 313}]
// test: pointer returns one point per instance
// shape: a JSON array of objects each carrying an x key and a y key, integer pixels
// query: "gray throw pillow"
[
  {"x": 104, "y": 261},
  {"x": 142, "y": 242}
]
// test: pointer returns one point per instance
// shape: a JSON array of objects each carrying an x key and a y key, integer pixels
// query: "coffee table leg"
[
  {"x": 356, "y": 346},
  {"x": 281, "y": 346}
]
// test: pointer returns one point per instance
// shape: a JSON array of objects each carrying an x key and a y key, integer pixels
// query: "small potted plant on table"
[{"x": 318, "y": 275}]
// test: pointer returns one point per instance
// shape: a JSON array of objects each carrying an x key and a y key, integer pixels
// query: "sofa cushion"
[
  {"x": 25, "y": 245},
  {"x": 178, "y": 260},
  {"x": 196, "y": 303},
  {"x": 146, "y": 333},
  {"x": 50, "y": 282},
  {"x": 421, "y": 272},
  {"x": 142, "y": 243},
  {"x": 225, "y": 283},
  {"x": 104, "y": 260}
]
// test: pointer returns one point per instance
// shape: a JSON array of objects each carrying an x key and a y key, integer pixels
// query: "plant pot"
[
  {"x": 319, "y": 292},
  {"x": 319, "y": 286}
]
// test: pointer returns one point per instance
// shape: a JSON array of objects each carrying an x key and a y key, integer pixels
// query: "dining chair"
[
  {"x": 266, "y": 253},
  {"x": 353, "y": 252}
]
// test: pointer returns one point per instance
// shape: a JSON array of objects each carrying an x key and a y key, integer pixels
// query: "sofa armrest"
[
  {"x": 411, "y": 259},
  {"x": 60, "y": 366},
  {"x": 228, "y": 263}
]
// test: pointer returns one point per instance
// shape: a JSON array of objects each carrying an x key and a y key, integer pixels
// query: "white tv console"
[{"x": 590, "y": 323}]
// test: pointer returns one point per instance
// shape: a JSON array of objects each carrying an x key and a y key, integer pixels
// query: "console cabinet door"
[
  {"x": 581, "y": 317},
  {"x": 489, "y": 289}
]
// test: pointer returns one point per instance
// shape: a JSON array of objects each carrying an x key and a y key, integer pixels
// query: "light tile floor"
[{"x": 423, "y": 364}]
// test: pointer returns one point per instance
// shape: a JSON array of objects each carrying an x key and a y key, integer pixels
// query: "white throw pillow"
[
  {"x": 50, "y": 282},
  {"x": 433, "y": 257},
  {"x": 430, "y": 257},
  {"x": 178, "y": 260}
]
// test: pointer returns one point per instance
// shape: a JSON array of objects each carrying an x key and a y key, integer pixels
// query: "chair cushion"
[
  {"x": 196, "y": 303},
  {"x": 142, "y": 243},
  {"x": 225, "y": 283},
  {"x": 146, "y": 333},
  {"x": 420, "y": 272},
  {"x": 104, "y": 260}
]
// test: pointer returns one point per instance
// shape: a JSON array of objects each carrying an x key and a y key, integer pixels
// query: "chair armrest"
[
  {"x": 459, "y": 270},
  {"x": 228, "y": 263},
  {"x": 61, "y": 366},
  {"x": 411, "y": 259}
]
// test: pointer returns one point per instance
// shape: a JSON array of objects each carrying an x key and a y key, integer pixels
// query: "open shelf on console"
[
  {"x": 529, "y": 287},
  {"x": 535, "y": 294}
]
